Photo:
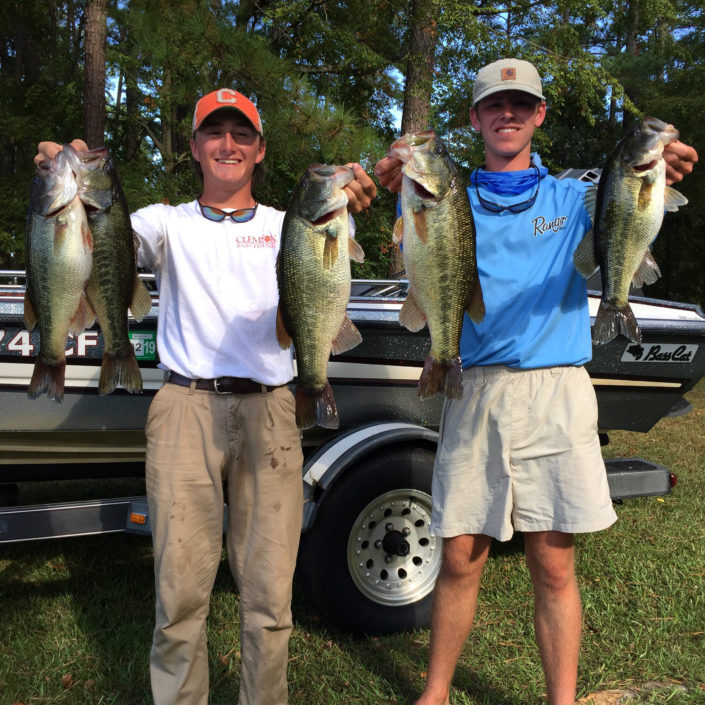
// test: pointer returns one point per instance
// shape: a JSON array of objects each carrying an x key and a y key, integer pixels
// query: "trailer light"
[
  {"x": 672, "y": 480},
  {"x": 137, "y": 518}
]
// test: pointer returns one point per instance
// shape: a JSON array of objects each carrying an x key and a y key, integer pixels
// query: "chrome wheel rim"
[{"x": 393, "y": 557}]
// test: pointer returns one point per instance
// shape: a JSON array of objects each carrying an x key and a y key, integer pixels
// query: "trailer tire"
[{"x": 369, "y": 563}]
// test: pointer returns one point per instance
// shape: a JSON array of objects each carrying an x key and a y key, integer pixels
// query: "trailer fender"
[{"x": 328, "y": 463}]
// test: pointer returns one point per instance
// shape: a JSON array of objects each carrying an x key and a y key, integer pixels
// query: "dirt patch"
[{"x": 619, "y": 696}]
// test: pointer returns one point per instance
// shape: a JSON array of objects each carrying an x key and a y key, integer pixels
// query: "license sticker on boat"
[
  {"x": 659, "y": 352},
  {"x": 145, "y": 344}
]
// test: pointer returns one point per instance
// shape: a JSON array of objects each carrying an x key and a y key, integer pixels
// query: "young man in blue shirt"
[{"x": 520, "y": 450}]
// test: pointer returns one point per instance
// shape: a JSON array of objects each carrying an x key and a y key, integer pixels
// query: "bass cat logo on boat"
[{"x": 659, "y": 352}]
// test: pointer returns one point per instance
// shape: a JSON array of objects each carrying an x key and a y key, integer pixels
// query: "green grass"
[{"x": 76, "y": 615}]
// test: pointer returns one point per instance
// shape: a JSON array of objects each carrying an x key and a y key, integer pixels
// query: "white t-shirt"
[{"x": 218, "y": 292}]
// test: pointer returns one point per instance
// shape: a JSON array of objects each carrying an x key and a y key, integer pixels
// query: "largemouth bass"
[
  {"x": 114, "y": 285},
  {"x": 313, "y": 271},
  {"x": 438, "y": 235},
  {"x": 59, "y": 259},
  {"x": 630, "y": 201}
]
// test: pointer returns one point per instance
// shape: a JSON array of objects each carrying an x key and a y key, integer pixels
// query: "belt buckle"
[{"x": 215, "y": 387}]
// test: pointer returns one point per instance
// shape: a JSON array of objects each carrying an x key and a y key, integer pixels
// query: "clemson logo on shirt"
[
  {"x": 541, "y": 225},
  {"x": 253, "y": 241}
]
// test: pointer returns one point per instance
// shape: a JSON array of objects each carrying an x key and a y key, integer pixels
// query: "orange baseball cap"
[{"x": 226, "y": 98}]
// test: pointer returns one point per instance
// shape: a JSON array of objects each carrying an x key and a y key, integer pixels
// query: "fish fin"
[
  {"x": 119, "y": 371},
  {"x": 83, "y": 318},
  {"x": 330, "y": 252},
  {"x": 441, "y": 376},
  {"x": 49, "y": 379},
  {"x": 283, "y": 336},
  {"x": 420, "y": 223},
  {"x": 348, "y": 337},
  {"x": 141, "y": 303},
  {"x": 357, "y": 254},
  {"x": 60, "y": 230},
  {"x": 584, "y": 255},
  {"x": 30, "y": 317},
  {"x": 411, "y": 316},
  {"x": 87, "y": 236},
  {"x": 590, "y": 201},
  {"x": 647, "y": 272},
  {"x": 316, "y": 408},
  {"x": 610, "y": 321},
  {"x": 398, "y": 232},
  {"x": 476, "y": 309},
  {"x": 136, "y": 245},
  {"x": 673, "y": 199}
]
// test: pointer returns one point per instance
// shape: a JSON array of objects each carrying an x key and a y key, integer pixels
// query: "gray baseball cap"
[{"x": 507, "y": 75}]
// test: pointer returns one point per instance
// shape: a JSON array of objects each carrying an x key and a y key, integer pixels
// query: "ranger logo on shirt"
[{"x": 541, "y": 225}]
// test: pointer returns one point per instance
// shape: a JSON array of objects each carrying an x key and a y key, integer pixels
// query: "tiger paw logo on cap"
[{"x": 226, "y": 98}]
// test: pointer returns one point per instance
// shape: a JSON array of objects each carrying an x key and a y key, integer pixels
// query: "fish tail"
[
  {"x": 612, "y": 320},
  {"x": 441, "y": 376},
  {"x": 316, "y": 407},
  {"x": 119, "y": 370},
  {"x": 47, "y": 378}
]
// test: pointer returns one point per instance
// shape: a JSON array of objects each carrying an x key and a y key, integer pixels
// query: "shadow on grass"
[
  {"x": 98, "y": 593},
  {"x": 111, "y": 604},
  {"x": 401, "y": 659}
]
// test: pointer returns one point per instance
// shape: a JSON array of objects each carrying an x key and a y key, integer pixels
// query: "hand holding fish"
[
  {"x": 628, "y": 208},
  {"x": 89, "y": 257},
  {"x": 360, "y": 191},
  {"x": 46, "y": 151},
  {"x": 388, "y": 171},
  {"x": 680, "y": 159}
]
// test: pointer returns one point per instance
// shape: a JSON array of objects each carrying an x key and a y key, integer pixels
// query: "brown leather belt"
[{"x": 223, "y": 385}]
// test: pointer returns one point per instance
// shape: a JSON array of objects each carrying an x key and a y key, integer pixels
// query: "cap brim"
[
  {"x": 223, "y": 108},
  {"x": 514, "y": 87}
]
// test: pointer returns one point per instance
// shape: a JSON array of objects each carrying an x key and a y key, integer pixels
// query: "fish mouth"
[
  {"x": 339, "y": 176},
  {"x": 59, "y": 208},
  {"x": 327, "y": 217},
  {"x": 56, "y": 211},
  {"x": 95, "y": 155},
  {"x": 92, "y": 159},
  {"x": 402, "y": 148},
  {"x": 423, "y": 192},
  {"x": 645, "y": 167}
]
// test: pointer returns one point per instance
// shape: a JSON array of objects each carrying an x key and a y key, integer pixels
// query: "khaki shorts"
[{"x": 520, "y": 452}]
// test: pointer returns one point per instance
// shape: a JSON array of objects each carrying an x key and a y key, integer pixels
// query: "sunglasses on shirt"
[
  {"x": 512, "y": 207},
  {"x": 241, "y": 215}
]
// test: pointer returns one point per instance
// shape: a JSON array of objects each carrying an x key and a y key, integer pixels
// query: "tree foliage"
[{"x": 332, "y": 80}]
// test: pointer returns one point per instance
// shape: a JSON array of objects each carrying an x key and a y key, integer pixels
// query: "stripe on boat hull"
[{"x": 18, "y": 374}]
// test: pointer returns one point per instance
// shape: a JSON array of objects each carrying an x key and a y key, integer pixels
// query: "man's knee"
[
  {"x": 464, "y": 556},
  {"x": 551, "y": 562}
]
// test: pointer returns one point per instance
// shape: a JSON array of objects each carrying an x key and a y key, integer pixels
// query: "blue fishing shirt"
[{"x": 535, "y": 300}]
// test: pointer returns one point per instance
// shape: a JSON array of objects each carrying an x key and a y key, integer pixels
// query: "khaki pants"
[{"x": 203, "y": 449}]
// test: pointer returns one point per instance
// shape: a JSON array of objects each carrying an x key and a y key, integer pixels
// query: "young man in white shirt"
[{"x": 222, "y": 429}]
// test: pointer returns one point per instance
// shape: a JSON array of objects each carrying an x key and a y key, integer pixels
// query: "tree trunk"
[
  {"x": 423, "y": 35},
  {"x": 132, "y": 93},
  {"x": 416, "y": 116},
  {"x": 632, "y": 86},
  {"x": 94, "y": 86}
]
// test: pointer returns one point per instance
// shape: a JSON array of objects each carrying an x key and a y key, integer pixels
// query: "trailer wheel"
[{"x": 370, "y": 562}]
